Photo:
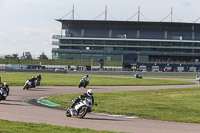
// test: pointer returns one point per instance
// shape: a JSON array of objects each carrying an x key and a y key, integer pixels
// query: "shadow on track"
[
  {"x": 104, "y": 119},
  {"x": 13, "y": 100},
  {"x": 37, "y": 90},
  {"x": 12, "y": 104}
]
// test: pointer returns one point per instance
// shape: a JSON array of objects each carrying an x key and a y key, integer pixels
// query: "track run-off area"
[{"x": 16, "y": 108}]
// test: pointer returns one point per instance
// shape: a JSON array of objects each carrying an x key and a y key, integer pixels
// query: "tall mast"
[
  {"x": 106, "y": 12},
  {"x": 171, "y": 14},
  {"x": 138, "y": 13},
  {"x": 73, "y": 13}
]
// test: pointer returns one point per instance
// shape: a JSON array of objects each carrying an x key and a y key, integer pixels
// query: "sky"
[{"x": 28, "y": 25}]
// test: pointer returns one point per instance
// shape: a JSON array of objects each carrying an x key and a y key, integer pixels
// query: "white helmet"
[
  {"x": 89, "y": 92},
  {"x": 5, "y": 84}
]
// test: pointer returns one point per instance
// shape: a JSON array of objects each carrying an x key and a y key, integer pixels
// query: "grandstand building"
[{"x": 138, "y": 44}]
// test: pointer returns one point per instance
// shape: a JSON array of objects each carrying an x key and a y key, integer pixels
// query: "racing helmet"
[
  {"x": 5, "y": 84},
  {"x": 89, "y": 92},
  {"x": 87, "y": 75}
]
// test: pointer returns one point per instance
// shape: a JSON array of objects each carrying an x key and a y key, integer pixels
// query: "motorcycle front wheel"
[
  {"x": 82, "y": 111},
  {"x": 24, "y": 87},
  {"x": 80, "y": 85},
  {"x": 68, "y": 114}
]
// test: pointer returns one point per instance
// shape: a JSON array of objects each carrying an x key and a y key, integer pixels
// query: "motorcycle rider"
[
  {"x": 32, "y": 81},
  {"x": 87, "y": 78},
  {"x": 89, "y": 94},
  {"x": 39, "y": 78},
  {"x": 5, "y": 87}
]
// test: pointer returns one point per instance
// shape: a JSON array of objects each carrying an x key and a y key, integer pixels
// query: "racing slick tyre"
[
  {"x": 68, "y": 114},
  {"x": 82, "y": 111}
]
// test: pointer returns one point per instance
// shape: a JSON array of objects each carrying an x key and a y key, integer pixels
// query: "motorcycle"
[
  {"x": 80, "y": 109},
  {"x": 3, "y": 94},
  {"x": 38, "y": 82},
  {"x": 138, "y": 76},
  {"x": 28, "y": 84},
  {"x": 83, "y": 83}
]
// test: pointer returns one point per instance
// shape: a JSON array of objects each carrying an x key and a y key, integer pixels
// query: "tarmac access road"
[{"x": 16, "y": 109}]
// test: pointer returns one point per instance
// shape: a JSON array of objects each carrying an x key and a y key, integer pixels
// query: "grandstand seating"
[{"x": 132, "y": 34}]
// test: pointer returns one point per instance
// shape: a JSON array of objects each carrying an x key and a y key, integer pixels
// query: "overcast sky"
[{"x": 28, "y": 25}]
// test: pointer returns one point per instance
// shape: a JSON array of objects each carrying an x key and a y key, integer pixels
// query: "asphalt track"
[{"x": 15, "y": 108}]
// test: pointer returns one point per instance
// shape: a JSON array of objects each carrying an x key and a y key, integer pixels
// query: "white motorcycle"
[
  {"x": 28, "y": 84},
  {"x": 80, "y": 109},
  {"x": 3, "y": 94}
]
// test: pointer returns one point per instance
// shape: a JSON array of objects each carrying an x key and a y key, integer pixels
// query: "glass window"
[
  {"x": 74, "y": 56},
  {"x": 76, "y": 41},
  {"x": 87, "y": 41},
  {"x": 166, "y": 44},
  {"x": 99, "y": 42},
  {"x": 97, "y": 48},
  {"x": 86, "y": 56},
  {"x": 119, "y": 48},
  {"x": 154, "y": 43},
  {"x": 110, "y": 42},
  {"x": 64, "y": 41},
  {"x": 143, "y": 43},
  {"x": 118, "y": 57},
  {"x": 108, "y": 48},
  {"x": 121, "y": 42},
  {"x": 132, "y": 43}
]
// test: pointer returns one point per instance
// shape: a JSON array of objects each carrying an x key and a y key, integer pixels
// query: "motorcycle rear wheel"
[{"x": 82, "y": 112}]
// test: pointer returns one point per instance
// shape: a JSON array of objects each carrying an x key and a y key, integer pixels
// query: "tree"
[
  {"x": 15, "y": 56},
  {"x": 43, "y": 56},
  {"x": 8, "y": 56}
]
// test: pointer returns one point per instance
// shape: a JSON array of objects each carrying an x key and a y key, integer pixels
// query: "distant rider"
[
  {"x": 89, "y": 95},
  {"x": 87, "y": 78},
  {"x": 32, "y": 81},
  {"x": 6, "y": 87},
  {"x": 39, "y": 78}
]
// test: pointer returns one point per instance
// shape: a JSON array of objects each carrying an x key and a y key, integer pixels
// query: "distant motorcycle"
[
  {"x": 83, "y": 83},
  {"x": 28, "y": 84},
  {"x": 38, "y": 82},
  {"x": 197, "y": 78},
  {"x": 138, "y": 76},
  {"x": 80, "y": 109},
  {"x": 3, "y": 94}
]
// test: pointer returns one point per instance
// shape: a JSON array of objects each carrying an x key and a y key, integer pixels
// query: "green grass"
[
  {"x": 180, "y": 105},
  {"x": 22, "y": 127},
  {"x": 182, "y": 77},
  {"x": 18, "y": 79}
]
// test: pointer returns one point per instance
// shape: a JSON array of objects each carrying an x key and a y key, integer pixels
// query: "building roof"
[{"x": 129, "y": 24}]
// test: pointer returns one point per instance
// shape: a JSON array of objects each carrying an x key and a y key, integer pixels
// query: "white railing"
[
  {"x": 56, "y": 36},
  {"x": 55, "y": 43}
]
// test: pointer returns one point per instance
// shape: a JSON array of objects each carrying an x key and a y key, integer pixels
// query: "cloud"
[
  {"x": 30, "y": 39},
  {"x": 186, "y": 3}
]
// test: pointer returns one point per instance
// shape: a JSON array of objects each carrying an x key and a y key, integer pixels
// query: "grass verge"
[
  {"x": 18, "y": 79},
  {"x": 180, "y": 105},
  {"x": 22, "y": 127},
  {"x": 181, "y": 77}
]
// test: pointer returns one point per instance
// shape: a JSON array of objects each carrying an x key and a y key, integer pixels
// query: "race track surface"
[{"x": 16, "y": 109}]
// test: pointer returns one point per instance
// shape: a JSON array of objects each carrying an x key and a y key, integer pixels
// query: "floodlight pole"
[
  {"x": 138, "y": 13},
  {"x": 171, "y": 14},
  {"x": 106, "y": 12},
  {"x": 73, "y": 13}
]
